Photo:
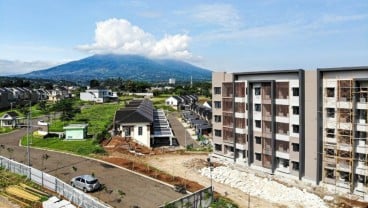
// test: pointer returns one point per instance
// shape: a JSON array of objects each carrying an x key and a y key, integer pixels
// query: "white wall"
[
  {"x": 145, "y": 138},
  {"x": 171, "y": 101}
]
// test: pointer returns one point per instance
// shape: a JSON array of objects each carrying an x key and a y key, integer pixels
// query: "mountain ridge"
[{"x": 132, "y": 67}]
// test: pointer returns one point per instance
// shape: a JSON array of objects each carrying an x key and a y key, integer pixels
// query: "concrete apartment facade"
[
  {"x": 343, "y": 97},
  {"x": 259, "y": 120},
  {"x": 310, "y": 125}
]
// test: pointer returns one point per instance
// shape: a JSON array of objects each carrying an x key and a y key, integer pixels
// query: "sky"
[{"x": 232, "y": 36}]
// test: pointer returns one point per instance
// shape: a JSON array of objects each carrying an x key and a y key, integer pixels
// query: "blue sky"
[{"x": 218, "y": 35}]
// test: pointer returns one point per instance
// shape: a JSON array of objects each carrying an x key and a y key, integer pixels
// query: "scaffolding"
[{"x": 341, "y": 137}]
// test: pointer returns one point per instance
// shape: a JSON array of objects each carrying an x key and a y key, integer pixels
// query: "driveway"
[
  {"x": 139, "y": 191},
  {"x": 179, "y": 131}
]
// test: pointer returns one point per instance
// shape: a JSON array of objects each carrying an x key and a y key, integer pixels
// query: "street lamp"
[{"x": 210, "y": 165}]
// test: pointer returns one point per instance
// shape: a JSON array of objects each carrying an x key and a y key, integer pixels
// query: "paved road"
[
  {"x": 179, "y": 131},
  {"x": 139, "y": 190}
]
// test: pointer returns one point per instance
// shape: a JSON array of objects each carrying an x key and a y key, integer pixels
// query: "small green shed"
[{"x": 76, "y": 131}]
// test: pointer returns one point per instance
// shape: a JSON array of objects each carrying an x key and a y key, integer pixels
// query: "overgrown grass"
[
  {"x": 35, "y": 111},
  {"x": 159, "y": 102},
  {"x": 81, "y": 147},
  {"x": 5, "y": 130},
  {"x": 98, "y": 117},
  {"x": 7, "y": 178},
  {"x": 57, "y": 125}
]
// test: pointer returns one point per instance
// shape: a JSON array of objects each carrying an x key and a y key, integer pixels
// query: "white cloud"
[
  {"x": 224, "y": 15},
  {"x": 8, "y": 67},
  {"x": 343, "y": 18},
  {"x": 120, "y": 36}
]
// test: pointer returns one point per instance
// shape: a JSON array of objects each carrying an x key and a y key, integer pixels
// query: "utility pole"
[
  {"x": 28, "y": 131},
  {"x": 30, "y": 118},
  {"x": 185, "y": 138},
  {"x": 28, "y": 149},
  {"x": 211, "y": 169}
]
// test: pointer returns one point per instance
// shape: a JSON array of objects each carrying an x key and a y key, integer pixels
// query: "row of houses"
[
  {"x": 12, "y": 96},
  {"x": 98, "y": 95},
  {"x": 309, "y": 125},
  {"x": 183, "y": 102}
]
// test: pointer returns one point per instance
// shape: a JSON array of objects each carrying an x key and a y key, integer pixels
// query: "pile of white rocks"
[{"x": 264, "y": 188}]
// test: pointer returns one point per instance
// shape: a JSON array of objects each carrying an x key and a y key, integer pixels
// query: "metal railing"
[{"x": 52, "y": 183}]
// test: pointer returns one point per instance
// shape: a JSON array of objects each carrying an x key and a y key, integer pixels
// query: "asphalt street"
[{"x": 140, "y": 191}]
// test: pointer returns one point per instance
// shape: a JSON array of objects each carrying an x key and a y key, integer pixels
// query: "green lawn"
[
  {"x": 5, "y": 130},
  {"x": 81, "y": 147}
]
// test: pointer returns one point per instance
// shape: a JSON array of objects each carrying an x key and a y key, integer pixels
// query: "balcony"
[
  {"x": 266, "y": 93},
  {"x": 227, "y": 90},
  {"x": 282, "y": 90},
  {"x": 362, "y": 127},
  {"x": 241, "y": 146},
  {"x": 330, "y": 160},
  {"x": 240, "y": 130},
  {"x": 283, "y": 154},
  {"x": 227, "y": 105},
  {"x": 345, "y": 147},
  {"x": 267, "y": 150},
  {"x": 342, "y": 183},
  {"x": 361, "y": 146},
  {"x": 283, "y": 165},
  {"x": 239, "y": 89},
  {"x": 330, "y": 140},
  {"x": 329, "y": 180},
  {"x": 343, "y": 166},
  {"x": 283, "y": 137}
]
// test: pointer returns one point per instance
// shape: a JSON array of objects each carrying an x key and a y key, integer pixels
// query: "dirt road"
[{"x": 140, "y": 191}]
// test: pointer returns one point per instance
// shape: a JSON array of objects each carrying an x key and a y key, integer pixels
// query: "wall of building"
[
  {"x": 74, "y": 134},
  {"x": 311, "y": 136},
  {"x": 145, "y": 138},
  {"x": 217, "y": 79}
]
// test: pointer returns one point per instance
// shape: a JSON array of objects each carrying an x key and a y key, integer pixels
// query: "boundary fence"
[
  {"x": 199, "y": 199},
  {"x": 52, "y": 183}
]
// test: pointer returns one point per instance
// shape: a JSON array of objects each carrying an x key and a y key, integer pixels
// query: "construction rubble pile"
[{"x": 264, "y": 188}]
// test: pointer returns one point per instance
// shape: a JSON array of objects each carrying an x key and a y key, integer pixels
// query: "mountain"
[{"x": 131, "y": 67}]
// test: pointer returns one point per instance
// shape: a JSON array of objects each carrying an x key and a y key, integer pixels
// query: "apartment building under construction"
[
  {"x": 343, "y": 102},
  {"x": 310, "y": 125}
]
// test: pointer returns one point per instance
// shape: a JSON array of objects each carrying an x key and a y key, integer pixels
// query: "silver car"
[{"x": 86, "y": 183}]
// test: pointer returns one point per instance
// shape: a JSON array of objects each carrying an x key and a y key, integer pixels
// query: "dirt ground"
[
  {"x": 187, "y": 166},
  {"x": 4, "y": 203},
  {"x": 175, "y": 167}
]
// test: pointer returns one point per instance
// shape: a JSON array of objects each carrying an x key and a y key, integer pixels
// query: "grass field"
[
  {"x": 159, "y": 102},
  {"x": 5, "y": 130},
  {"x": 81, "y": 147}
]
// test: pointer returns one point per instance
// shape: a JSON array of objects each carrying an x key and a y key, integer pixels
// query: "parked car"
[
  {"x": 86, "y": 183},
  {"x": 42, "y": 123}
]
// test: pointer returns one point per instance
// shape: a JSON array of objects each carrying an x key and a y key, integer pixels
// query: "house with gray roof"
[
  {"x": 9, "y": 119},
  {"x": 142, "y": 123}
]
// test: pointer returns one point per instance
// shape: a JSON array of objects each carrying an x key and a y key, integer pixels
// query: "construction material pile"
[{"x": 264, "y": 188}]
